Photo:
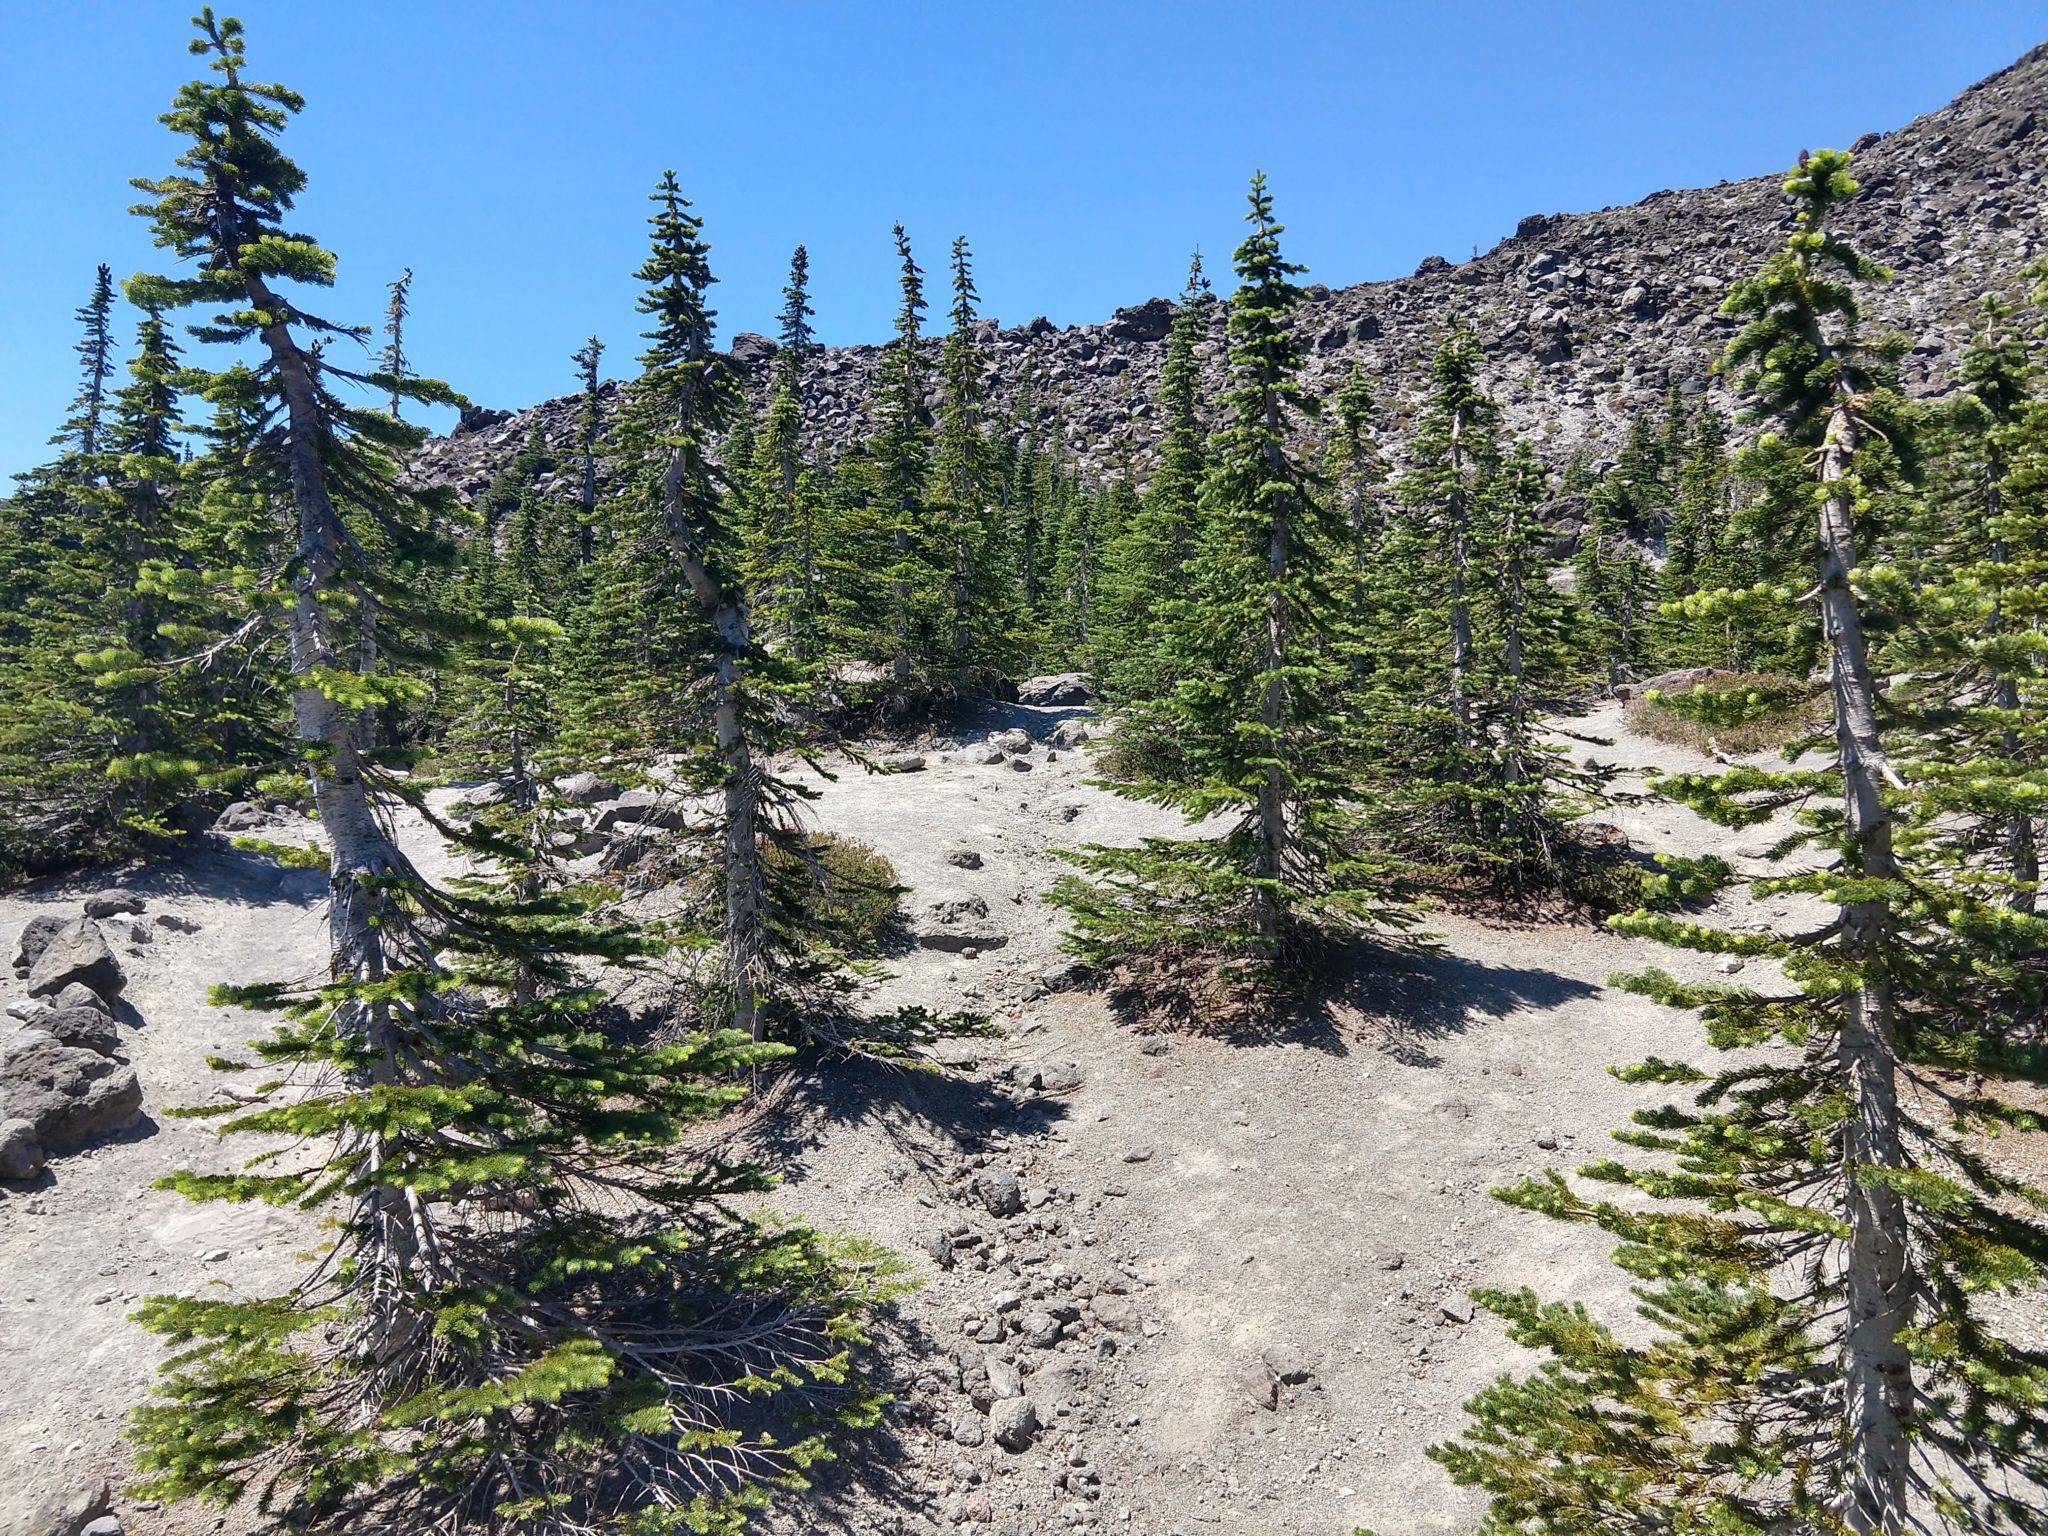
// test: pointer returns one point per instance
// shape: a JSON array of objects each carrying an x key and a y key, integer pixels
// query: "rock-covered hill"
[{"x": 1585, "y": 318}]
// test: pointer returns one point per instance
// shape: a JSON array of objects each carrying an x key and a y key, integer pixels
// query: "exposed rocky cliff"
[{"x": 1585, "y": 318}]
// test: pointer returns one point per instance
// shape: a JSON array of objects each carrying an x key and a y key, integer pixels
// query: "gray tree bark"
[{"x": 1879, "y": 1279}]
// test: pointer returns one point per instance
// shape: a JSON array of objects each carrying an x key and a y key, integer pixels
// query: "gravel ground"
[{"x": 1226, "y": 1276}]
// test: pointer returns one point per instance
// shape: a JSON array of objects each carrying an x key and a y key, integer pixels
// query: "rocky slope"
[{"x": 1585, "y": 318}]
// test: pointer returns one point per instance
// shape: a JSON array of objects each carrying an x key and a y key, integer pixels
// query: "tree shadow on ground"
[
  {"x": 925, "y": 1114},
  {"x": 1406, "y": 998},
  {"x": 873, "y": 1468}
]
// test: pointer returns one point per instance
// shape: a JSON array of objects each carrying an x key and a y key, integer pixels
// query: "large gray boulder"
[
  {"x": 34, "y": 938},
  {"x": 65, "y": 1509},
  {"x": 112, "y": 902},
  {"x": 88, "y": 1028},
  {"x": 586, "y": 788},
  {"x": 1055, "y": 688},
  {"x": 77, "y": 952},
  {"x": 641, "y": 807},
  {"x": 67, "y": 1093}
]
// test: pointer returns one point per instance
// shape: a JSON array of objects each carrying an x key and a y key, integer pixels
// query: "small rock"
[
  {"x": 1056, "y": 1076},
  {"x": 1004, "y": 1379},
  {"x": 1119, "y": 1314},
  {"x": 1011, "y": 741},
  {"x": 969, "y": 1430},
  {"x": 1458, "y": 1309},
  {"x": 106, "y": 1525},
  {"x": 1063, "y": 975},
  {"x": 1139, "y": 1154},
  {"x": 110, "y": 903},
  {"x": 1020, "y": 764},
  {"x": 1393, "y": 1259},
  {"x": 1069, "y": 734},
  {"x": 1014, "y": 1420},
  {"x": 214, "y": 1256},
  {"x": 956, "y": 909},
  {"x": 1155, "y": 1045},
  {"x": 964, "y": 858},
  {"x": 989, "y": 756},
  {"x": 999, "y": 1191},
  {"x": 1039, "y": 1329},
  {"x": 1731, "y": 965},
  {"x": 903, "y": 762},
  {"x": 1289, "y": 1365},
  {"x": 1547, "y": 1140},
  {"x": 21, "y": 1155},
  {"x": 1070, "y": 812},
  {"x": 28, "y": 1009},
  {"x": 1258, "y": 1386},
  {"x": 177, "y": 924}
]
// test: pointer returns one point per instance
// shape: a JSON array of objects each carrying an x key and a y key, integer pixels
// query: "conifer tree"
[
  {"x": 96, "y": 365},
  {"x": 902, "y": 453},
  {"x": 1147, "y": 565},
  {"x": 392, "y": 359},
  {"x": 1824, "y": 1361},
  {"x": 982, "y": 635},
  {"x": 532, "y": 1315},
  {"x": 589, "y": 432},
  {"x": 1258, "y": 705},
  {"x": 785, "y": 565}
]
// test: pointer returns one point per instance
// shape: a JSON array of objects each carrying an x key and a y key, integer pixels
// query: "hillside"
[{"x": 1586, "y": 318}]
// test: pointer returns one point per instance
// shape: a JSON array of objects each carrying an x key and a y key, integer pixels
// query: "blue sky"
[{"x": 502, "y": 149}]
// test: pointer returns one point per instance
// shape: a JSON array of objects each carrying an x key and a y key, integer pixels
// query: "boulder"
[
  {"x": 65, "y": 1510},
  {"x": 642, "y": 807},
  {"x": 35, "y": 937},
  {"x": 1148, "y": 321},
  {"x": 88, "y": 1028},
  {"x": 1055, "y": 688},
  {"x": 587, "y": 788},
  {"x": 239, "y": 817},
  {"x": 1011, "y": 741},
  {"x": 964, "y": 858},
  {"x": 67, "y": 1093},
  {"x": 110, "y": 902},
  {"x": 903, "y": 762},
  {"x": 21, "y": 1155},
  {"x": 1069, "y": 733},
  {"x": 76, "y": 952},
  {"x": 77, "y": 995}
]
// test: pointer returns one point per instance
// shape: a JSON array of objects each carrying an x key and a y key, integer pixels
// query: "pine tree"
[
  {"x": 82, "y": 429},
  {"x": 1823, "y": 1362},
  {"x": 902, "y": 452},
  {"x": 982, "y": 639},
  {"x": 532, "y": 1314},
  {"x": 1258, "y": 709},
  {"x": 589, "y": 433},
  {"x": 392, "y": 359},
  {"x": 1147, "y": 564},
  {"x": 785, "y": 565}
]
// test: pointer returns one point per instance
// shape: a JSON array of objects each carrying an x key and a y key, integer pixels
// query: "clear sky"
[{"x": 502, "y": 148}]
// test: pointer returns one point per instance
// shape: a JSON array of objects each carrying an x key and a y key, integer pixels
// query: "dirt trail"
[{"x": 1231, "y": 1284}]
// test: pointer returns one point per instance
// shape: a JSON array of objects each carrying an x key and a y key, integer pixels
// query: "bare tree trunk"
[
  {"x": 1272, "y": 818},
  {"x": 899, "y": 596},
  {"x": 1879, "y": 1279},
  {"x": 740, "y": 851},
  {"x": 359, "y": 851},
  {"x": 586, "y": 532}
]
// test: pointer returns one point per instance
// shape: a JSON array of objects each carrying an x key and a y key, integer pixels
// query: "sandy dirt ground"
[{"x": 1228, "y": 1275}]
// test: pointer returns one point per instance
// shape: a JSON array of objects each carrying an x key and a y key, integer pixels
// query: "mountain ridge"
[{"x": 1585, "y": 319}]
